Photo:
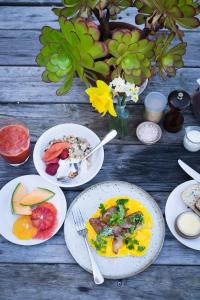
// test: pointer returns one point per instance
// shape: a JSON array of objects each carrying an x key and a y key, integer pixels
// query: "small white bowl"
[
  {"x": 148, "y": 127},
  {"x": 57, "y": 132}
]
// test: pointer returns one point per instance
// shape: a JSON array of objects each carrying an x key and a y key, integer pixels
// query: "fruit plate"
[
  {"x": 88, "y": 201},
  {"x": 57, "y": 132},
  {"x": 7, "y": 219},
  {"x": 176, "y": 206}
]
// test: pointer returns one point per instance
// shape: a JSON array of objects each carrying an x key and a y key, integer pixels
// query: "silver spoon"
[{"x": 75, "y": 167}]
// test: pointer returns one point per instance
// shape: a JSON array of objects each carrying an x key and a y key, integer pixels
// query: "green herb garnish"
[
  {"x": 102, "y": 208},
  {"x": 99, "y": 243},
  {"x": 121, "y": 201},
  {"x": 106, "y": 231},
  {"x": 141, "y": 248},
  {"x": 136, "y": 219},
  {"x": 115, "y": 219},
  {"x": 130, "y": 243},
  {"x": 132, "y": 229}
]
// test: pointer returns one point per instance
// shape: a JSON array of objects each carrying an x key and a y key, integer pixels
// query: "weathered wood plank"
[
  {"x": 84, "y": 114},
  {"x": 20, "y": 47},
  {"x": 72, "y": 283},
  {"x": 33, "y": 17},
  {"x": 154, "y": 168},
  {"x": 24, "y": 84}
]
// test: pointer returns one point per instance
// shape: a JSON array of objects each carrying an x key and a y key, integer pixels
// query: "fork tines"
[{"x": 78, "y": 219}]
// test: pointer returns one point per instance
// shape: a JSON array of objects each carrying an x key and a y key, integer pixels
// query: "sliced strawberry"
[
  {"x": 43, "y": 218},
  {"x": 64, "y": 154},
  {"x": 51, "y": 169}
]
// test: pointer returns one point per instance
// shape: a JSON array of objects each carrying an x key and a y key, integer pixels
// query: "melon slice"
[
  {"x": 18, "y": 194},
  {"x": 37, "y": 196}
]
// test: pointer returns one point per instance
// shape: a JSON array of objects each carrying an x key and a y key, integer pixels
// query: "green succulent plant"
[
  {"x": 76, "y": 7},
  {"x": 75, "y": 48},
  {"x": 131, "y": 56},
  {"x": 109, "y": 49},
  {"x": 168, "y": 58},
  {"x": 156, "y": 14}
]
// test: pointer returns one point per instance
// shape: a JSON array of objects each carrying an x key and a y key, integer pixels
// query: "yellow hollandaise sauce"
[{"x": 136, "y": 244}]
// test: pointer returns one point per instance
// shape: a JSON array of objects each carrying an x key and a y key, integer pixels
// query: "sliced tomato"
[{"x": 43, "y": 218}]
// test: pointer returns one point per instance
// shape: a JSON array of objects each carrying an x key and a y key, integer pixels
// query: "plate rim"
[
  {"x": 152, "y": 199},
  {"x": 45, "y": 240},
  {"x": 192, "y": 181},
  {"x": 56, "y": 182}
]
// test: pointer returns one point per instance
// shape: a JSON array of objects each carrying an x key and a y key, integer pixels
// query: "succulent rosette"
[
  {"x": 75, "y": 48},
  {"x": 131, "y": 56}
]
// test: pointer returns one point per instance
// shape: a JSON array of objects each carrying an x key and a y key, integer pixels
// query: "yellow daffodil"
[{"x": 101, "y": 98}]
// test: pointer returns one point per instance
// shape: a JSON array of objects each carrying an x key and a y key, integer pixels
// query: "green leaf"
[
  {"x": 45, "y": 77},
  {"x": 112, "y": 46},
  {"x": 130, "y": 62},
  {"x": 141, "y": 248},
  {"x": 176, "y": 12},
  {"x": 102, "y": 208},
  {"x": 65, "y": 87},
  {"x": 106, "y": 231},
  {"x": 189, "y": 22},
  {"x": 122, "y": 201},
  {"x": 188, "y": 10},
  {"x": 101, "y": 67}
]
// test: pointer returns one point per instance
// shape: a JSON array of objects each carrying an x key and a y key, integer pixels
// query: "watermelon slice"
[
  {"x": 37, "y": 196},
  {"x": 18, "y": 194}
]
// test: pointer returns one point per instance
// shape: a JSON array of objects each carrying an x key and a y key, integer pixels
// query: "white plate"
[
  {"x": 176, "y": 206},
  {"x": 57, "y": 132},
  {"x": 88, "y": 202},
  {"x": 7, "y": 218}
]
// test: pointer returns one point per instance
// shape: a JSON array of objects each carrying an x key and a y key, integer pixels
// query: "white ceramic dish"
[
  {"x": 176, "y": 206},
  {"x": 7, "y": 219},
  {"x": 57, "y": 132},
  {"x": 88, "y": 202}
]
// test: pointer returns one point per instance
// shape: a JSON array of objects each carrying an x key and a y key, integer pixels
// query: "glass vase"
[{"x": 120, "y": 123}]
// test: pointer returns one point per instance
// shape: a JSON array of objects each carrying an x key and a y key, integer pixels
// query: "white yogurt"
[{"x": 192, "y": 140}]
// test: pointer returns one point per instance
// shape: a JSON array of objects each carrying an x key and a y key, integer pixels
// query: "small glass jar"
[
  {"x": 155, "y": 103},
  {"x": 191, "y": 140}
]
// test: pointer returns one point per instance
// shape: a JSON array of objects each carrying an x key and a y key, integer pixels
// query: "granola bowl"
[{"x": 64, "y": 144}]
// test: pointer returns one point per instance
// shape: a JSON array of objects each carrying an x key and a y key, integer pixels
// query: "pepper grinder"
[
  {"x": 178, "y": 101},
  {"x": 196, "y": 102}
]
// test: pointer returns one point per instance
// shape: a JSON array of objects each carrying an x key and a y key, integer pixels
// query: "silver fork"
[{"x": 80, "y": 227}]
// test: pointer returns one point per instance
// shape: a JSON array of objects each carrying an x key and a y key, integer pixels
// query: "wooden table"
[{"x": 48, "y": 271}]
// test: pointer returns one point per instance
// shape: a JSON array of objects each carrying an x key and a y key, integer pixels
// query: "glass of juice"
[{"x": 14, "y": 141}]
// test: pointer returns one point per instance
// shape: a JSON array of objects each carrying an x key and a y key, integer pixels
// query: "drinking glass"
[{"x": 14, "y": 141}]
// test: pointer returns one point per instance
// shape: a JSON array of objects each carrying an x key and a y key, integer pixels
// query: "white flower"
[
  {"x": 132, "y": 91},
  {"x": 117, "y": 82},
  {"x": 118, "y": 85},
  {"x": 134, "y": 97}
]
